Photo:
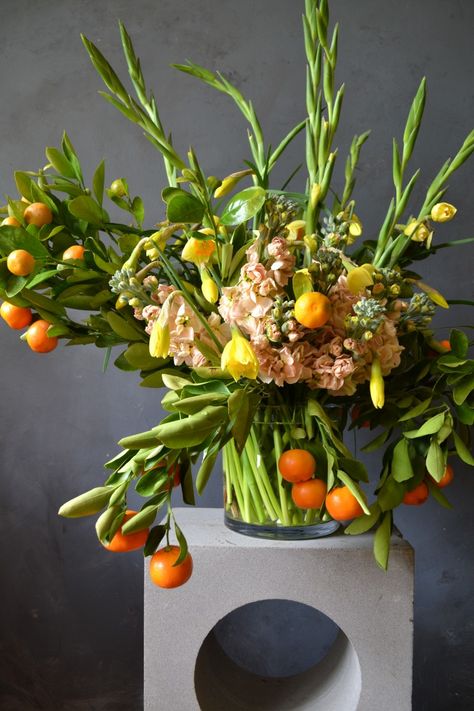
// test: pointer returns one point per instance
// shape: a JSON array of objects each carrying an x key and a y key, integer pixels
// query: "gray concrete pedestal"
[{"x": 369, "y": 665}]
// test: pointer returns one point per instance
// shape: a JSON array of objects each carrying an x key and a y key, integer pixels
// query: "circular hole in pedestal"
[{"x": 277, "y": 655}]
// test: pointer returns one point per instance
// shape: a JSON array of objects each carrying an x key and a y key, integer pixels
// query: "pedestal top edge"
[{"x": 205, "y": 527}]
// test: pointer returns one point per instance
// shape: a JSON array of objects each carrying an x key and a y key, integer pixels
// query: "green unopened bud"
[{"x": 119, "y": 188}]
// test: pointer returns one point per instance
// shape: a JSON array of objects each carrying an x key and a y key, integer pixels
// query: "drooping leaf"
[
  {"x": 431, "y": 426},
  {"x": 85, "y": 208},
  {"x": 382, "y": 541},
  {"x": 435, "y": 460},
  {"x": 156, "y": 535},
  {"x": 362, "y": 524},
  {"x": 462, "y": 450},
  {"x": 402, "y": 469},
  {"x": 459, "y": 343}
]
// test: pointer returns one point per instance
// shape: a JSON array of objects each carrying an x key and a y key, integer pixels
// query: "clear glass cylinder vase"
[{"x": 257, "y": 500}]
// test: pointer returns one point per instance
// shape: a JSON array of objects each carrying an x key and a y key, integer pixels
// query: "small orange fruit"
[
  {"x": 309, "y": 494},
  {"x": 342, "y": 505},
  {"x": 312, "y": 309},
  {"x": 38, "y": 214},
  {"x": 130, "y": 542},
  {"x": 20, "y": 262},
  {"x": 38, "y": 339},
  {"x": 445, "y": 344},
  {"x": 74, "y": 252},
  {"x": 446, "y": 479},
  {"x": 164, "y": 573},
  {"x": 416, "y": 496},
  {"x": 297, "y": 465},
  {"x": 12, "y": 221},
  {"x": 16, "y": 317}
]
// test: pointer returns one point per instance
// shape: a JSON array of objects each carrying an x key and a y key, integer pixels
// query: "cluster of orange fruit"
[
  {"x": 298, "y": 466},
  {"x": 419, "y": 494},
  {"x": 163, "y": 571},
  {"x": 22, "y": 263}
]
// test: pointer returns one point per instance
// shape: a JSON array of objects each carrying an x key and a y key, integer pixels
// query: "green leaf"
[
  {"x": 183, "y": 545},
  {"x": 184, "y": 207},
  {"x": 362, "y": 524},
  {"x": 402, "y": 469},
  {"x": 139, "y": 440},
  {"x": 152, "y": 481},
  {"x": 416, "y": 410},
  {"x": 191, "y": 405},
  {"x": 138, "y": 209},
  {"x": 86, "y": 504},
  {"x": 463, "y": 389},
  {"x": 85, "y": 208},
  {"x": 243, "y": 206},
  {"x": 138, "y": 355},
  {"x": 156, "y": 535},
  {"x": 382, "y": 541},
  {"x": 174, "y": 382},
  {"x": 60, "y": 163},
  {"x": 355, "y": 468},
  {"x": 107, "y": 521},
  {"x": 435, "y": 460},
  {"x": 465, "y": 414},
  {"x": 191, "y": 430},
  {"x": 240, "y": 416},
  {"x": 376, "y": 442},
  {"x": 438, "y": 495},
  {"x": 143, "y": 519},
  {"x": 459, "y": 343},
  {"x": 122, "y": 327},
  {"x": 12, "y": 238},
  {"x": 462, "y": 450},
  {"x": 391, "y": 494},
  {"x": 98, "y": 182},
  {"x": 155, "y": 380},
  {"x": 431, "y": 426},
  {"x": 205, "y": 470},
  {"x": 354, "y": 489},
  {"x": 23, "y": 183}
]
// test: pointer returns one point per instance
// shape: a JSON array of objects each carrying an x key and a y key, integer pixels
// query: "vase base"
[{"x": 282, "y": 533}]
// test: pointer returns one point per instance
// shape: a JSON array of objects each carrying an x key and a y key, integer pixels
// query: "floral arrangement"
[{"x": 270, "y": 319}]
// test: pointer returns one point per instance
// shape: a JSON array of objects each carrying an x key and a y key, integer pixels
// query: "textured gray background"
[{"x": 71, "y": 614}]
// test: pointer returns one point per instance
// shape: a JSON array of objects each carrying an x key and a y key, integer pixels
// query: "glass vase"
[{"x": 257, "y": 500}]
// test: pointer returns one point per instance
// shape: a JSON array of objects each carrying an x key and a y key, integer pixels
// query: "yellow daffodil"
[
  {"x": 239, "y": 359},
  {"x": 358, "y": 279},
  {"x": 159, "y": 340},
  {"x": 418, "y": 232},
  {"x": 377, "y": 385},
  {"x": 198, "y": 251},
  {"x": 443, "y": 212},
  {"x": 209, "y": 288},
  {"x": 296, "y": 230}
]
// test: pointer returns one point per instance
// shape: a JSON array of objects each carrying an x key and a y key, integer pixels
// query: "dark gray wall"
[{"x": 71, "y": 614}]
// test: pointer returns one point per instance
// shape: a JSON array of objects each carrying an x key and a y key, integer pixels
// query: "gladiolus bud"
[
  {"x": 239, "y": 359},
  {"x": 198, "y": 251},
  {"x": 377, "y": 385},
  {"x": 443, "y": 212},
  {"x": 229, "y": 183},
  {"x": 209, "y": 289},
  {"x": 315, "y": 194}
]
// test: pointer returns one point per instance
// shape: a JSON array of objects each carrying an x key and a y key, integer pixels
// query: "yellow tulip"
[
  {"x": 198, "y": 251},
  {"x": 377, "y": 385},
  {"x": 239, "y": 359},
  {"x": 443, "y": 212}
]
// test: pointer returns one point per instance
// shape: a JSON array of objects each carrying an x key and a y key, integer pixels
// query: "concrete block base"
[{"x": 368, "y": 666}]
